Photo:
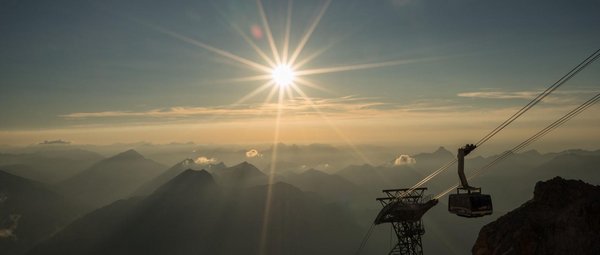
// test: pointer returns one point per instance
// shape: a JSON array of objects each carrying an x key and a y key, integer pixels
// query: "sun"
[
  {"x": 283, "y": 75},
  {"x": 283, "y": 71}
]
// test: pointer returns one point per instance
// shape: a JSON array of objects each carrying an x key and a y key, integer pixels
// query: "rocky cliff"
[{"x": 562, "y": 218}]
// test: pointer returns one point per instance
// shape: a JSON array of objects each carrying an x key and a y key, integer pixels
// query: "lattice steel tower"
[{"x": 404, "y": 208}]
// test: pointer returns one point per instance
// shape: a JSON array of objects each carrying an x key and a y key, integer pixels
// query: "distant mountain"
[
  {"x": 240, "y": 175},
  {"x": 187, "y": 183},
  {"x": 516, "y": 163},
  {"x": 583, "y": 166},
  {"x": 523, "y": 170},
  {"x": 191, "y": 215},
  {"x": 68, "y": 153},
  {"x": 25, "y": 171},
  {"x": 175, "y": 170},
  {"x": 376, "y": 178},
  {"x": 49, "y": 166},
  {"x": 434, "y": 160},
  {"x": 111, "y": 179},
  {"x": 286, "y": 167},
  {"x": 330, "y": 186},
  {"x": 363, "y": 175},
  {"x": 214, "y": 167},
  {"x": 30, "y": 212},
  {"x": 562, "y": 218}
]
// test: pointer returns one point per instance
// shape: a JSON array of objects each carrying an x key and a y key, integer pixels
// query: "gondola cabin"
[{"x": 470, "y": 203}]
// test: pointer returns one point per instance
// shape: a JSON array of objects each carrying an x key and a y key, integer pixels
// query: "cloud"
[
  {"x": 9, "y": 232},
  {"x": 253, "y": 153},
  {"x": 59, "y": 141},
  {"x": 347, "y": 105},
  {"x": 205, "y": 161},
  {"x": 500, "y": 94},
  {"x": 404, "y": 160},
  {"x": 323, "y": 166},
  {"x": 557, "y": 97},
  {"x": 162, "y": 113},
  {"x": 188, "y": 162}
]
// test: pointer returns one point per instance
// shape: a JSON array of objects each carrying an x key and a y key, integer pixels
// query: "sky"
[{"x": 411, "y": 72}]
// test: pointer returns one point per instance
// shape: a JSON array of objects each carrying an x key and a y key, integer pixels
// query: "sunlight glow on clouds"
[
  {"x": 349, "y": 105},
  {"x": 205, "y": 161},
  {"x": 557, "y": 97},
  {"x": 404, "y": 160},
  {"x": 253, "y": 153}
]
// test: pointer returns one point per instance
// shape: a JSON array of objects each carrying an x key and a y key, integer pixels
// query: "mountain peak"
[
  {"x": 557, "y": 191},
  {"x": 440, "y": 154},
  {"x": 128, "y": 155},
  {"x": 531, "y": 153},
  {"x": 442, "y": 149},
  {"x": 187, "y": 181},
  {"x": 193, "y": 175},
  {"x": 313, "y": 172},
  {"x": 244, "y": 166},
  {"x": 187, "y": 162},
  {"x": 240, "y": 175}
]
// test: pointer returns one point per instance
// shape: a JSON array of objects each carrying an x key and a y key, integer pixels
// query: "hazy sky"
[{"x": 126, "y": 71}]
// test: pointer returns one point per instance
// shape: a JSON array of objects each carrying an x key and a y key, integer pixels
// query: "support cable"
[
  {"x": 585, "y": 63},
  {"x": 365, "y": 239},
  {"x": 531, "y": 139}
]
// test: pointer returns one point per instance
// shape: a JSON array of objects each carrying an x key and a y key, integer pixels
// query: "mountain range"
[
  {"x": 111, "y": 179},
  {"x": 129, "y": 196},
  {"x": 48, "y": 166},
  {"x": 150, "y": 186},
  {"x": 30, "y": 212},
  {"x": 192, "y": 215}
]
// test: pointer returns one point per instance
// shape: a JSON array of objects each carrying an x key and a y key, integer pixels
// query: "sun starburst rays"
[
  {"x": 309, "y": 33},
  {"x": 282, "y": 72},
  {"x": 267, "y": 28}
]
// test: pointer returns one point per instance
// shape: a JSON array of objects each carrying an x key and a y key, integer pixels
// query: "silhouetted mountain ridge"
[
  {"x": 562, "y": 218},
  {"x": 49, "y": 166},
  {"x": 170, "y": 173},
  {"x": 128, "y": 155},
  {"x": 189, "y": 215},
  {"x": 240, "y": 175},
  {"x": 30, "y": 212},
  {"x": 188, "y": 182},
  {"x": 331, "y": 186},
  {"x": 111, "y": 179}
]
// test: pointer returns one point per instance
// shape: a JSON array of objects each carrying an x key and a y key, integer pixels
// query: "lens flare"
[{"x": 283, "y": 75}]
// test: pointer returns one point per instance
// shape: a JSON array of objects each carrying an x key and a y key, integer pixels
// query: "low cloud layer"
[
  {"x": 51, "y": 142},
  {"x": 557, "y": 97},
  {"x": 253, "y": 153},
  {"x": 500, "y": 94},
  {"x": 404, "y": 160},
  {"x": 297, "y": 106},
  {"x": 205, "y": 160}
]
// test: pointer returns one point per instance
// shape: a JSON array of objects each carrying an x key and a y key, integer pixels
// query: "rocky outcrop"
[{"x": 562, "y": 218}]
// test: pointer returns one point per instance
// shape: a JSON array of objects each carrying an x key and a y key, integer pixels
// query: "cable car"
[{"x": 468, "y": 201}]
